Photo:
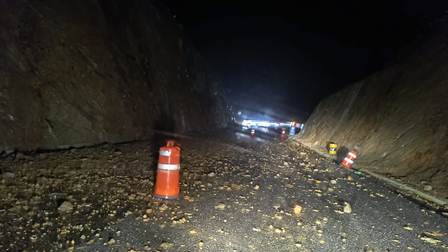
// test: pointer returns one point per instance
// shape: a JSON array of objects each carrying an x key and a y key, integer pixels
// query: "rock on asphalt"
[{"x": 236, "y": 196}]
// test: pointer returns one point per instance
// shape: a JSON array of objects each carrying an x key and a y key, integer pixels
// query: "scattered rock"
[
  {"x": 297, "y": 210},
  {"x": 8, "y": 175},
  {"x": 430, "y": 240},
  {"x": 278, "y": 230},
  {"x": 33, "y": 238},
  {"x": 256, "y": 229},
  {"x": 408, "y": 228},
  {"x": 236, "y": 187},
  {"x": 180, "y": 221},
  {"x": 163, "y": 207},
  {"x": 427, "y": 188},
  {"x": 166, "y": 245},
  {"x": 111, "y": 241},
  {"x": 220, "y": 206},
  {"x": 239, "y": 192},
  {"x": 188, "y": 198},
  {"x": 368, "y": 249},
  {"x": 347, "y": 208},
  {"x": 433, "y": 233},
  {"x": 65, "y": 207}
]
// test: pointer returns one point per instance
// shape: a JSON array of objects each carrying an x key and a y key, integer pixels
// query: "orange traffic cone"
[
  {"x": 349, "y": 159},
  {"x": 283, "y": 135},
  {"x": 252, "y": 132},
  {"x": 168, "y": 172}
]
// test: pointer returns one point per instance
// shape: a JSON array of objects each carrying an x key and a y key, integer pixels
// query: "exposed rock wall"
[
  {"x": 90, "y": 71},
  {"x": 397, "y": 116}
]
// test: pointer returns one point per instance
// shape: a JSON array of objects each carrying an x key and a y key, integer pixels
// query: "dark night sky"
[{"x": 287, "y": 55}]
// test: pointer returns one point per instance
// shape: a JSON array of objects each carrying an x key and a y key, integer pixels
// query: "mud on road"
[{"x": 235, "y": 196}]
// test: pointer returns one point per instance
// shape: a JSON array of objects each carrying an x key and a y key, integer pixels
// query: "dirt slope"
[{"x": 397, "y": 116}]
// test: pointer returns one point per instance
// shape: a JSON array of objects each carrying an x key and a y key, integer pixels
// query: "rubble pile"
[{"x": 269, "y": 197}]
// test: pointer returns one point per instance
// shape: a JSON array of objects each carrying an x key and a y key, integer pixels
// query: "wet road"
[{"x": 238, "y": 194}]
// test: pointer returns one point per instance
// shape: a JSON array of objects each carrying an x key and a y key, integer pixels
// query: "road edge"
[{"x": 408, "y": 190}]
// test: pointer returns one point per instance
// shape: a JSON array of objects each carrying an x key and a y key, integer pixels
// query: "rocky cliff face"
[
  {"x": 398, "y": 117},
  {"x": 91, "y": 71}
]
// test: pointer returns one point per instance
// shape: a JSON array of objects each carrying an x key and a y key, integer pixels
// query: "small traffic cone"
[
  {"x": 252, "y": 132},
  {"x": 168, "y": 172},
  {"x": 283, "y": 135},
  {"x": 349, "y": 159},
  {"x": 332, "y": 148}
]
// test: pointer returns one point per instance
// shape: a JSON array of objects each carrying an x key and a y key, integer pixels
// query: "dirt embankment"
[
  {"x": 397, "y": 116},
  {"x": 84, "y": 72}
]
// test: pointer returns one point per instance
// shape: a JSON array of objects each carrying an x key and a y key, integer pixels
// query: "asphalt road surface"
[{"x": 237, "y": 194}]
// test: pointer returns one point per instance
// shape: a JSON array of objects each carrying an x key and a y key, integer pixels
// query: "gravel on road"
[{"x": 236, "y": 195}]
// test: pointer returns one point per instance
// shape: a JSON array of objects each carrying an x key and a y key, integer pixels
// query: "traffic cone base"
[
  {"x": 161, "y": 197},
  {"x": 347, "y": 163},
  {"x": 165, "y": 187}
]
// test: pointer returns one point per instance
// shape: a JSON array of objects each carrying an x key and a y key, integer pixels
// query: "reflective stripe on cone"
[
  {"x": 165, "y": 153},
  {"x": 168, "y": 167}
]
